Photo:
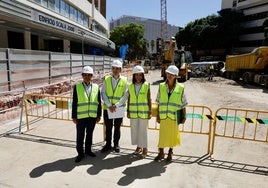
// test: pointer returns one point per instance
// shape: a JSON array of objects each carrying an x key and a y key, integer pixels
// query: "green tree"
[
  {"x": 214, "y": 31},
  {"x": 133, "y": 35}
]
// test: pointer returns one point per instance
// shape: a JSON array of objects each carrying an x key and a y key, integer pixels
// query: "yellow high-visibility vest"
[
  {"x": 139, "y": 104},
  {"x": 87, "y": 106},
  {"x": 115, "y": 95},
  {"x": 169, "y": 105}
]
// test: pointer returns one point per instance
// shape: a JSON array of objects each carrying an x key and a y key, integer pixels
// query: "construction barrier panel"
[
  {"x": 243, "y": 124},
  {"x": 47, "y": 106},
  {"x": 199, "y": 120}
]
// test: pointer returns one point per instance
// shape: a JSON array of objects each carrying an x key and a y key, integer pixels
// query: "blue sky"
[{"x": 179, "y": 12}]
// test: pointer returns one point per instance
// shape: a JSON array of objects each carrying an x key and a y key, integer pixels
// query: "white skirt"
[{"x": 139, "y": 128}]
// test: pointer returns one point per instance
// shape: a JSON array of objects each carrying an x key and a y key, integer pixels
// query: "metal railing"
[
  {"x": 227, "y": 123},
  {"x": 241, "y": 124}
]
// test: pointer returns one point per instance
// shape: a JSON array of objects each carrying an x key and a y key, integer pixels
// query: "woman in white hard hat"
[
  {"x": 86, "y": 111},
  {"x": 139, "y": 110},
  {"x": 171, "y": 112}
]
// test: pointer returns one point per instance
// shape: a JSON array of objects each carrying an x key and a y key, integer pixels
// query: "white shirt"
[
  {"x": 88, "y": 88},
  {"x": 104, "y": 97}
]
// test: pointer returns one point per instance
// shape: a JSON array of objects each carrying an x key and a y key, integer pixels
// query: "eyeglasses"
[{"x": 86, "y": 74}]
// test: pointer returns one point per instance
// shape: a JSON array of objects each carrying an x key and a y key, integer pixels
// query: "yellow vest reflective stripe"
[
  {"x": 138, "y": 104},
  {"x": 87, "y": 106},
  {"x": 115, "y": 95},
  {"x": 169, "y": 105}
]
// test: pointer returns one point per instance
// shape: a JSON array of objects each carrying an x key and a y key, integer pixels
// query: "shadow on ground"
[
  {"x": 125, "y": 158},
  {"x": 228, "y": 165}
]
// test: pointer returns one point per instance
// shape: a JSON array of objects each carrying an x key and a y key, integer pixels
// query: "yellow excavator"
[{"x": 180, "y": 58}]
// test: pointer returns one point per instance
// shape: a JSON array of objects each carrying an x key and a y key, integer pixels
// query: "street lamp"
[{"x": 82, "y": 33}]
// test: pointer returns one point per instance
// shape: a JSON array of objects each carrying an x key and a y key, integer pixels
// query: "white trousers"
[{"x": 139, "y": 129}]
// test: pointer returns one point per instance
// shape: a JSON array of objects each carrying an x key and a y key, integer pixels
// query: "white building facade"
[
  {"x": 54, "y": 25},
  {"x": 151, "y": 28},
  {"x": 255, "y": 12}
]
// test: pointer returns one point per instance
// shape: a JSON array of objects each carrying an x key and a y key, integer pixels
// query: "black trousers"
[
  {"x": 110, "y": 123},
  {"x": 84, "y": 125}
]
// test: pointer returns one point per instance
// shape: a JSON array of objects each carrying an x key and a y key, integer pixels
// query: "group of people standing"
[{"x": 115, "y": 93}]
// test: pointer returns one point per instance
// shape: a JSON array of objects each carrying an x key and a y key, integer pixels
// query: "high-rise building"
[
  {"x": 55, "y": 25},
  {"x": 152, "y": 27},
  {"x": 255, "y": 12}
]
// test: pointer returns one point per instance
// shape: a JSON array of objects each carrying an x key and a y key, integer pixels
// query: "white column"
[
  {"x": 27, "y": 40},
  {"x": 99, "y": 4},
  {"x": 66, "y": 46}
]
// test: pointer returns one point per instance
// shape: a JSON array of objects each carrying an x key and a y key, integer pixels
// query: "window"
[
  {"x": 86, "y": 20},
  {"x": 44, "y": 3},
  {"x": 67, "y": 10},
  {"x": 80, "y": 17},
  {"x": 51, "y": 4},
  {"x": 73, "y": 13},
  {"x": 62, "y": 7},
  {"x": 57, "y": 6}
]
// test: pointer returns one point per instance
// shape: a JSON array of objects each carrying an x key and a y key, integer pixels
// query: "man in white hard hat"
[
  {"x": 171, "y": 112},
  {"x": 114, "y": 94},
  {"x": 86, "y": 111}
]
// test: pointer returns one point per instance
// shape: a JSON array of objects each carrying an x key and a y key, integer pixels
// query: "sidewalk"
[{"x": 44, "y": 157}]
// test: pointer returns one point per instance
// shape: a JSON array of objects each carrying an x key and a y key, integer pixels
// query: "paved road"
[{"x": 44, "y": 157}]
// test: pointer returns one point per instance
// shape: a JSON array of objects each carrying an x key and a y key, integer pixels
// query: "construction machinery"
[
  {"x": 251, "y": 67},
  {"x": 180, "y": 58},
  {"x": 167, "y": 54}
]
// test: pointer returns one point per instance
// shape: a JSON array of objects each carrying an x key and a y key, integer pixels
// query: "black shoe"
[
  {"x": 117, "y": 149},
  {"x": 91, "y": 154},
  {"x": 79, "y": 158},
  {"x": 106, "y": 148}
]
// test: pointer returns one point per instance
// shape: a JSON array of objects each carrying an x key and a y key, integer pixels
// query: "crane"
[{"x": 163, "y": 27}]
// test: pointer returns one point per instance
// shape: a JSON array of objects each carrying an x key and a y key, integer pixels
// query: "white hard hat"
[
  {"x": 138, "y": 69},
  {"x": 172, "y": 69},
  {"x": 117, "y": 63},
  {"x": 87, "y": 70}
]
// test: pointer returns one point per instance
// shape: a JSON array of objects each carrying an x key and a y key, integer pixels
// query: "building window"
[
  {"x": 67, "y": 10},
  {"x": 80, "y": 17},
  {"x": 86, "y": 20},
  {"x": 73, "y": 13},
  {"x": 57, "y": 6},
  {"x": 51, "y": 4},
  {"x": 62, "y": 7},
  {"x": 44, "y": 3}
]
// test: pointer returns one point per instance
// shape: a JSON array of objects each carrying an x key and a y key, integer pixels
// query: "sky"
[{"x": 179, "y": 12}]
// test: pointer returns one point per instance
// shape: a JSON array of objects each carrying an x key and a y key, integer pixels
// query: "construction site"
[{"x": 223, "y": 142}]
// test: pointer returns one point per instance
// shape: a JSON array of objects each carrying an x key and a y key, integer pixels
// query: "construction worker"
[
  {"x": 139, "y": 110},
  {"x": 171, "y": 112},
  {"x": 114, "y": 95},
  {"x": 86, "y": 111},
  {"x": 210, "y": 71}
]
